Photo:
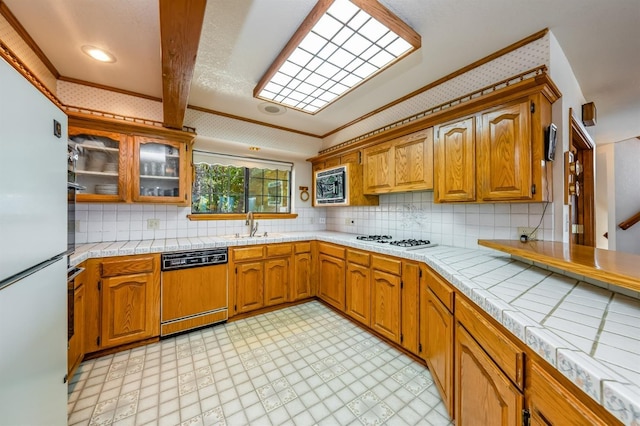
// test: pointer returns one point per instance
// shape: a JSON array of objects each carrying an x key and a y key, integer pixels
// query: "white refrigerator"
[{"x": 33, "y": 263}]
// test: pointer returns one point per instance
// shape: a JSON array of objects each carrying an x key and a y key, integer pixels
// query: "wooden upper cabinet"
[
  {"x": 414, "y": 161},
  {"x": 400, "y": 165},
  {"x": 130, "y": 162},
  {"x": 378, "y": 168},
  {"x": 504, "y": 154},
  {"x": 454, "y": 161}
]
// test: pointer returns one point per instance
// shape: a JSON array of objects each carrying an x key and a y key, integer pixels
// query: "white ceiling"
[{"x": 241, "y": 38}]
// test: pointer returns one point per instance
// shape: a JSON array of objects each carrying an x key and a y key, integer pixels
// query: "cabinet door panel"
[
  {"x": 550, "y": 403},
  {"x": 437, "y": 330},
  {"x": 159, "y": 171},
  {"x": 249, "y": 286},
  {"x": 385, "y": 304},
  {"x": 454, "y": 161},
  {"x": 504, "y": 154},
  {"x": 276, "y": 281},
  {"x": 410, "y": 303},
  {"x": 76, "y": 343},
  {"x": 358, "y": 292},
  {"x": 331, "y": 285},
  {"x": 125, "y": 300},
  {"x": 484, "y": 395},
  {"x": 301, "y": 288},
  {"x": 413, "y": 157},
  {"x": 378, "y": 169}
]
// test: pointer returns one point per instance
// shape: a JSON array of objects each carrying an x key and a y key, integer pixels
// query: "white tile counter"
[{"x": 587, "y": 331}]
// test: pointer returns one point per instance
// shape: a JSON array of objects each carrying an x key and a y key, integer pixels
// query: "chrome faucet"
[{"x": 249, "y": 222}]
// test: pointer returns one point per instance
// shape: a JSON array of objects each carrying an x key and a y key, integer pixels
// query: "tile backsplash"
[
  {"x": 407, "y": 215},
  {"x": 415, "y": 215},
  {"x": 97, "y": 222}
]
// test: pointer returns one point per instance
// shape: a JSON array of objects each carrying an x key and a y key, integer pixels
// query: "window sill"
[{"x": 241, "y": 216}]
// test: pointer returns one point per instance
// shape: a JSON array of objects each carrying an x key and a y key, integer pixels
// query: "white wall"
[
  {"x": 627, "y": 193},
  {"x": 563, "y": 76}
]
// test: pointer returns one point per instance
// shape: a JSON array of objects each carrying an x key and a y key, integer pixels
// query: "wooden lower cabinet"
[
  {"x": 331, "y": 275},
  {"x": 301, "y": 286},
  {"x": 358, "y": 287},
  {"x": 122, "y": 301},
  {"x": 550, "y": 403},
  {"x": 437, "y": 339},
  {"x": 276, "y": 281},
  {"x": 249, "y": 286},
  {"x": 385, "y": 302},
  {"x": 483, "y": 394},
  {"x": 410, "y": 308}
]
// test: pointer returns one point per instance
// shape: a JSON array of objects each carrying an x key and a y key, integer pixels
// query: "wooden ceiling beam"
[{"x": 180, "y": 28}]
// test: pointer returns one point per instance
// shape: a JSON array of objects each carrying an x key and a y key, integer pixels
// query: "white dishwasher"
[{"x": 194, "y": 290}]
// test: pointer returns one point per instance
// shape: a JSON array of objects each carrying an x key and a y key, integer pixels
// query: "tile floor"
[{"x": 302, "y": 365}]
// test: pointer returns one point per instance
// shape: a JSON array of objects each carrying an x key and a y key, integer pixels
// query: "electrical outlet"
[
  {"x": 322, "y": 220},
  {"x": 349, "y": 221},
  {"x": 153, "y": 224},
  {"x": 531, "y": 233}
]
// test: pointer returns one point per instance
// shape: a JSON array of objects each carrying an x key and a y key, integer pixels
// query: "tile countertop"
[{"x": 583, "y": 329}]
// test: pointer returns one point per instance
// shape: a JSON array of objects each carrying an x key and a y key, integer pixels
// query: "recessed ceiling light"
[
  {"x": 271, "y": 109},
  {"x": 98, "y": 54},
  {"x": 338, "y": 46}
]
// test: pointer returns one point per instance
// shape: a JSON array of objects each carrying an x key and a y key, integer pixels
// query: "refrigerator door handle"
[
  {"x": 76, "y": 186},
  {"x": 21, "y": 275}
]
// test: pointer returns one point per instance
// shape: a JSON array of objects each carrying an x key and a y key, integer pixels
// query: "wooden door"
[
  {"x": 276, "y": 281},
  {"x": 410, "y": 313},
  {"x": 455, "y": 162},
  {"x": 378, "y": 168},
  {"x": 437, "y": 334},
  {"x": 358, "y": 293},
  {"x": 193, "y": 291},
  {"x": 125, "y": 317},
  {"x": 331, "y": 280},
  {"x": 301, "y": 288},
  {"x": 582, "y": 201},
  {"x": 385, "y": 304},
  {"x": 249, "y": 286},
  {"x": 504, "y": 154},
  {"x": 413, "y": 156},
  {"x": 550, "y": 403},
  {"x": 484, "y": 395}
]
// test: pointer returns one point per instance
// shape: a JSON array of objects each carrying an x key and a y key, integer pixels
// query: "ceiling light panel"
[{"x": 340, "y": 45}]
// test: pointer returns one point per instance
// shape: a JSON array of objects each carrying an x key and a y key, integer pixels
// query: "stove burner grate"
[
  {"x": 410, "y": 243},
  {"x": 378, "y": 238}
]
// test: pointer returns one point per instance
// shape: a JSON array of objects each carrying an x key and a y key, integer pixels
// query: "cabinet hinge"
[
  {"x": 235, "y": 308},
  {"x": 98, "y": 341},
  {"x": 359, "y": 157},
  {"x": 401, "y": 338},
  {"x": 420, "y": 274},
  {"x": 64, "y": 379},
  {"x": 99, "y": 285},
  {"x": 420, "y": 347},
  {"x": 185, "y": 197},
  {"x": 533, "y": 107},
  {"x": 533, "y": 188},
  {"x": 236, "y": 269},
  {"x": 187, "y": 147},
  {"x": 526, "y": 417},
  {"x": 401, "y": 284}
]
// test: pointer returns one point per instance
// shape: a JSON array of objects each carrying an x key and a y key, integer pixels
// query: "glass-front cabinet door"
[
  {"x": 161, "y": 170},
  {"x": 100, "y": 166}
]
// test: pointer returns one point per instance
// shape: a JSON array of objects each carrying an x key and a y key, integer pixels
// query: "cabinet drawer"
[
  {"x": 359, "y": 257},
  {"x": 392, "y": 266},
  {"x": 246, "y": 253},
  {"x": 503, "y": 351},
  {"x": 440, "y": 288},
  {"x": 135, "y": 265},
  {"x": 278, "y": 250},
  {"x": 331, "y": 250},
  {"x": 303, "y": 247}
]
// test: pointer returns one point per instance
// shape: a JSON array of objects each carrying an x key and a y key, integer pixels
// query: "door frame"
[{"x": 583, "y": 147}]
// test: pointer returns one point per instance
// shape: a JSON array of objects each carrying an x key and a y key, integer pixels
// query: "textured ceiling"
[{"x": 241, "y": 38}]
